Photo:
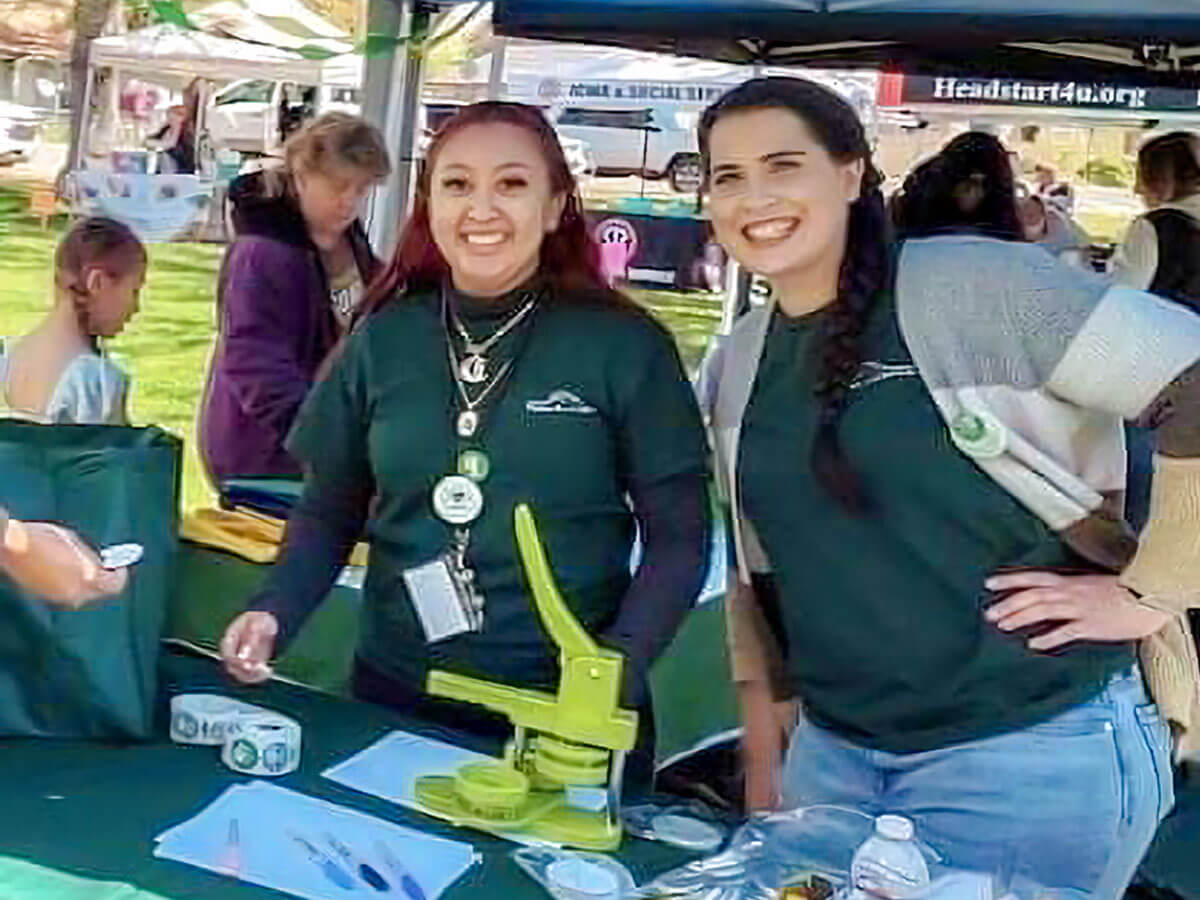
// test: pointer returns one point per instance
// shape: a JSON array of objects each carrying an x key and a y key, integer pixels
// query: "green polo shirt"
[
  {"x": 597, "y": 404},
  {"x": 885, "y": 640}
]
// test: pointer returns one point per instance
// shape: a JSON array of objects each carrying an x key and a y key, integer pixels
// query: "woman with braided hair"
[
  {"x": 56, "y": 373},
  {"x": 937, "y": 607}
]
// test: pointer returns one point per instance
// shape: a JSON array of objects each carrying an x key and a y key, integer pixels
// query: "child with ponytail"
[{"x": 57, "y": 372}]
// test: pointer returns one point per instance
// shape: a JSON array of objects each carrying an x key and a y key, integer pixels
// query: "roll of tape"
[
  {"x": 262, "y": 744},
  {"x": 205, "y": 718}
]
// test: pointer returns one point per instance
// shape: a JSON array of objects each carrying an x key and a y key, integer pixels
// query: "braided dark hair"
[
  {"x": 968, "y": 185},
  {"x": 866, "y": 265}
]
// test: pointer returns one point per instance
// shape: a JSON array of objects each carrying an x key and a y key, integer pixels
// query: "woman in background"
[
  {"x": 1161, "y": 251},
  {"x": 176, "y": 140},
  {"x": 288, "y": 285},
  {"x": 967, "y": 187}
]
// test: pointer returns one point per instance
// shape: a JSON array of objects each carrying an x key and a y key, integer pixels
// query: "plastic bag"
[
  {"x": 570, "y": 875},
  {"x": 689, "y": 826},
  {"x": 774, "y": 852},
  {"x": 811, "y": 849}
]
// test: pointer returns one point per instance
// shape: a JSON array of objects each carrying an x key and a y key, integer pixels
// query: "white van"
[
  {"x": 20, "y": 132},
  {"x": 247, "y": 115}
]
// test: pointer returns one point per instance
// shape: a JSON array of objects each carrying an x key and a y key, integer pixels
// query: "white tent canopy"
[
  {"x": 168, "y": 49},
  {"x": 284, "y": 27}
]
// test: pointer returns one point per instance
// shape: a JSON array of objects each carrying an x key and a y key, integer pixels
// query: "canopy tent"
[
  {"x": 577, "y": 61},
  {"x": 1155, "y": 41},
  {"x": 279, "y": 23},
  {"x": 170, "y": 50}
]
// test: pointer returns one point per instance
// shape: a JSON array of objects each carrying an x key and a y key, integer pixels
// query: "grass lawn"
[
  {"x": 166, "y": 347},
  {"x": 1104, "y": 225}
]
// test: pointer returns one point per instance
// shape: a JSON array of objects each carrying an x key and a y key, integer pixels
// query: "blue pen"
[
  {"x": 330, "y": 869},
  {"x": 366, "y": 871},
  {"x": 407, "y": 882}
]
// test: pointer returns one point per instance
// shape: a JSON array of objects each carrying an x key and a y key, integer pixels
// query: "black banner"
[{"x": 901, "y": 90}]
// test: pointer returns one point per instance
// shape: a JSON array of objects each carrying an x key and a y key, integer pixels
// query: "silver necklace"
[
  {"x": 472, "y": 368},
  {"x": 468, "y": 419}
]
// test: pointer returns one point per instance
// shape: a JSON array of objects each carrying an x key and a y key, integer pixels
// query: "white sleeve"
[
  {"x": 1136, "y": 260},
  {"x": 92, "y": 391},
  {"x": 1132, "y": 346}
]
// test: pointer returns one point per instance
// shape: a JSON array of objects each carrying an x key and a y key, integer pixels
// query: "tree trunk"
[{"x": 89, "y": 19}]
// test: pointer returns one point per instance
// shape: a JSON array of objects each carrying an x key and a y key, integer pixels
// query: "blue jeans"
[{"x": 1071, "y": 803}]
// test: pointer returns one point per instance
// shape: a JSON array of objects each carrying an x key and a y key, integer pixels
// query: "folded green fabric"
[{"x": 24, "y": 880}]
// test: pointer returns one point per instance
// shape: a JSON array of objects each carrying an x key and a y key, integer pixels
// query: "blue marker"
[
  {"x": 407, "y": 882},
  {"x": 330, "y": 869}
]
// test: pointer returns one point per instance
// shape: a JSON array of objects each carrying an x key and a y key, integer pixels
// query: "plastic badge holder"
[
  {"x": 569, "y": 875},
  {"x": 690, "y": 826}
]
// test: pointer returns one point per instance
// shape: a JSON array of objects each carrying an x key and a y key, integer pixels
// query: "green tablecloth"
[
  {"x": 694, "y": 700},
  {"x": 93, "y": 809}
]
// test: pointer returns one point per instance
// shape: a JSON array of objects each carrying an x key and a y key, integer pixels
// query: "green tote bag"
[{"x": 88, "y": 673}]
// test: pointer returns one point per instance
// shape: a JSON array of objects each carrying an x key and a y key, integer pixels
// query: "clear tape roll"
[
  {"x": 206, "y": 718},
  {"x": 262, "y": 744}
]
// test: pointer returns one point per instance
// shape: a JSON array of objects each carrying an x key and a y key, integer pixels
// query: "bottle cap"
[{"x": 894, "y": 828}]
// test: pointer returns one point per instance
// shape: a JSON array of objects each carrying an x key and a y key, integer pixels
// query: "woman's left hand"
[{"x": 1087, "y": 608}]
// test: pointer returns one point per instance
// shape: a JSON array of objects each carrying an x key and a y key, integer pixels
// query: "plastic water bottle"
[{"x": 889, "y": 864}]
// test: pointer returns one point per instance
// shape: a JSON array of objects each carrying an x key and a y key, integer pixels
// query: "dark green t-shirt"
[
  {"x": 597, "y": 405},
  {"x": 885, "y": 640}
]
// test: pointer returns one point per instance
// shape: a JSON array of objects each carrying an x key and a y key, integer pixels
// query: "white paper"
[
  {"x": 390, "y": 767},
  {"x": 268, "y": 816}
]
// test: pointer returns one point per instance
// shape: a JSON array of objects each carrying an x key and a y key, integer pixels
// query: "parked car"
[
  {"x": 20, "y": 132},
  {"x": 654, "y": 141},
  {"x": 253, "y": 114}
]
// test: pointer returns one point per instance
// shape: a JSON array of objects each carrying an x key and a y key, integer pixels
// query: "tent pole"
[
  {"x": 84, "y": 113},
  {"x": 645, "y": 155},
  {"x": 496, "y": 72},
  {"x": 391, "y": 100}
]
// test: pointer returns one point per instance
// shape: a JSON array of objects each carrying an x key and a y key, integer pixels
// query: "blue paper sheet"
[{"x": 257, "y": 832}]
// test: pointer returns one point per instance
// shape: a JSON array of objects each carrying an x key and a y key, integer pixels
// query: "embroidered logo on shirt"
[
  {"x": 563, "y": 402},
  {"x": 871, "y": 373}
]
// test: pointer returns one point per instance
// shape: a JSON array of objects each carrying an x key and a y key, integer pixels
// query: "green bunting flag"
[{"x": 171, "y": 12}]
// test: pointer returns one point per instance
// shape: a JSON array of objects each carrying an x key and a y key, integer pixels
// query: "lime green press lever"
[{"x": 575, "y": 738}]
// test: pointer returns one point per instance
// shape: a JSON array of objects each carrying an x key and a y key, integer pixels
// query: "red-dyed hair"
[{"x": 570, "y": 259}]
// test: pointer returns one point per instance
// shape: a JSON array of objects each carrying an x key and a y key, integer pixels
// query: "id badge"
[{"x": 441, "y": 601}]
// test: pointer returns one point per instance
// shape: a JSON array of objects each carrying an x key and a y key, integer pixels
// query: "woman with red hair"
[{"x": 490, "y": 365}]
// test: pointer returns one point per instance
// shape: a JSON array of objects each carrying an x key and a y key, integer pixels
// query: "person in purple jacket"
[{"x": 289, "y": 282}]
